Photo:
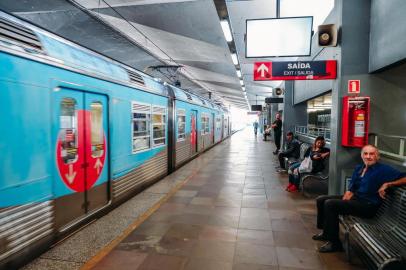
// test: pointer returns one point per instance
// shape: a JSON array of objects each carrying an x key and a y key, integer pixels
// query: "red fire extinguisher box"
[{"x": 355, "y": 121}]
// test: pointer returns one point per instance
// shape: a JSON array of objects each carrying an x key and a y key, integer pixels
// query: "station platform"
[{"x": 226, "y": 209}]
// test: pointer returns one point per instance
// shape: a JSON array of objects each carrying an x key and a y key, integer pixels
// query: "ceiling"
[{"x": 175, "y": 40}]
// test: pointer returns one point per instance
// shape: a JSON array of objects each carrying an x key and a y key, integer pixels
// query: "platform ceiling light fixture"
[
  {"x": 243, "y": 88},
  {"x": 241, "y": 82},
  {"x": 234, "y": 58},
  {"x": 238, "y": 73},
  {"x": 226, "y": 30}
]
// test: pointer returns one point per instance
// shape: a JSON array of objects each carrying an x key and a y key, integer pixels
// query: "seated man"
[
  {"x": 292, "y": 150},
  {"x": 366, "y": 191},
  {"x": 267, "y": 131}
]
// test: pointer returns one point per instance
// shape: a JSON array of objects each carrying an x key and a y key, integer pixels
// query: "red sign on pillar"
[{"x": 354, "y": 86}]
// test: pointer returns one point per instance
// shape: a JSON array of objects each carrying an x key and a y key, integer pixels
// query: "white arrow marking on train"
[
  {"x": 98, "y": 165},
  {"x": 262, "y": 68},
  {"x": 71, "y": 175}
]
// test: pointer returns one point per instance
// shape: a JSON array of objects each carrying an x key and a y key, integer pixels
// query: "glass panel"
[
  {"x": 181, "y": 127},
  {"x": 141, "y": 131},
  {"x": 158, "y": 127},
  {"x": 68, "y": 130},
  {"x": 97, "y": 136},
  {"x": 319, "y": 9}
]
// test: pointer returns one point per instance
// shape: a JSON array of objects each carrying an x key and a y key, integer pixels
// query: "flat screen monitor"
[
  {"x": 257, "y": 108},
  {"x": 270, "y": 100},
  {"x": 289, "y": 36}
]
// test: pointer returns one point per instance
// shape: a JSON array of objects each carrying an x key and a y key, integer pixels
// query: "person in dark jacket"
[
  {"x": 318, "y": 154},
  {"x": 292, "y": 150},
  {"x": 277, "y": 132},
  {"x": 363, "y": 198}
]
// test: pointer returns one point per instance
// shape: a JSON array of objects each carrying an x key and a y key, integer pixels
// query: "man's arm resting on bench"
[{"x": 399, "y": 182}]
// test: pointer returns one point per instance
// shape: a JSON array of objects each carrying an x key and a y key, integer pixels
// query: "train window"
[
  {"x": 141, "y": 118},
  {"x": 97, "y": 134},
  {"x": 205, "y": 124},
  {"x": 218, "y": 124},
  {"x": 68, "y": 130},
  {"x": 181, "y": 120},
  {"x": 158, "y": 125}
]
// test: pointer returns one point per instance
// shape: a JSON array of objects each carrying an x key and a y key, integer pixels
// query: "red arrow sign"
[{"x": 262, "y": 71}]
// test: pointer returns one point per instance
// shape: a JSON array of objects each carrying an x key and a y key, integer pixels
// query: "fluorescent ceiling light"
[
  {"x": 243, "y": 88},
  {"x": 238, "y": 73},
  {"x": 241, "y": 82},
  {"x": 234, "y": 58},
  {"x": 226, "y": 30}
]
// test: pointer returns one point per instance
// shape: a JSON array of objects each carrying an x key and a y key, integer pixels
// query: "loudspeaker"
[
  {"x": 278, "y": 91},
  {"x": 327, "y": 35}
]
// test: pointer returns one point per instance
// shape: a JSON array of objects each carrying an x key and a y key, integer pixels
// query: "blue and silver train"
[{"x": 81, "y": 133}]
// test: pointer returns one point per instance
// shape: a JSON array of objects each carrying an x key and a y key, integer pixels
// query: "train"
[{"x": 81, "y": 133}]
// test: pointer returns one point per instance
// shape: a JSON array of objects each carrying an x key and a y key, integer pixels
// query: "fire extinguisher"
[{"x": 359, "y": 121}]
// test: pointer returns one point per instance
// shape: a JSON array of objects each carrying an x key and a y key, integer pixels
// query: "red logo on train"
[{"x": 79, "y": 162}]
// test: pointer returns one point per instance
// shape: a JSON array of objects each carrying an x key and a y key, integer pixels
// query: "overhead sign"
[
  {"x": 354, "y": 86},
  {"x": 256, "y": 108},
  {"x": 270, "y": 100},
  {"x": 295, "y": 70}
]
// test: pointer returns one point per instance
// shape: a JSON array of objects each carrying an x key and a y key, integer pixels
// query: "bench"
[
  {"x": 303, "y": 149},
  {"x": 313, "y": 185},
  {"x": 380, "y": 242}
]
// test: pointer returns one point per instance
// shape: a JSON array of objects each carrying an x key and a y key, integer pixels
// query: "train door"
[
  {"x": 213, "y": 128},
  {"x": 222, "y": 127},
  {"x": 80, "y": 129},
  {"x": 193, "y": 132}
]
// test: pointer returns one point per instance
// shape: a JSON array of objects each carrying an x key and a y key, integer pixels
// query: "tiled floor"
[{"x": 232, "y": 214}]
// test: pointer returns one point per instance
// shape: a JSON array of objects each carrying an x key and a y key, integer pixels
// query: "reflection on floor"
[{"x": 233, "y": 213}]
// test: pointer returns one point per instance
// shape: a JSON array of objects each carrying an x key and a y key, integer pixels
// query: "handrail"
[
  {"x": 313, "y": 132},
  {"x": 400, "y": 155}
]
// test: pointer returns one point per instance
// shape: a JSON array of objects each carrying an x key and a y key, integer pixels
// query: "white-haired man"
[{"x": 366, "y": 192}]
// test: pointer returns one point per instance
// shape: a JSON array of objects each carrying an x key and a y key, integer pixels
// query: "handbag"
[{"x": 306, "y": 165}]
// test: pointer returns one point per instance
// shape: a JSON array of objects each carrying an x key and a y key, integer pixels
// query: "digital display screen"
[{"x": 290, "y": 36}]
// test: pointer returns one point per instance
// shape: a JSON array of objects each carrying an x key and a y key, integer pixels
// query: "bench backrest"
[
  {"x": 391, "y": 217},
  {"x": 303, "y": 148}
]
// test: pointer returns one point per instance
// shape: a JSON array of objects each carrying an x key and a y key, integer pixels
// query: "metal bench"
[
  {"x": 380, "y": 242},
  {"x": 313, "y": 185},
  {"x": 303, "y": 149}
]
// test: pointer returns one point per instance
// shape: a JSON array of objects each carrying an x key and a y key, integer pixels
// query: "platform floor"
[{"x": 227, "y": 209}]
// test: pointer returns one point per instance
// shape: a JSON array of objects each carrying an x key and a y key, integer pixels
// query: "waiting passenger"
[
  {"x": 277, "y": 132},
  {"x": 314, "y": 162},
  {"x": 292, "y": 151},
  {"x": 366, "y": 192}
]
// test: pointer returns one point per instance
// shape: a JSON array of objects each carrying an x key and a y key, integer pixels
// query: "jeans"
[{"x": 294, "y": 178}]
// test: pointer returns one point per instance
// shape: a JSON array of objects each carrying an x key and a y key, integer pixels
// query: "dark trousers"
[
  {"x": 281, "y": 157},
  {"x": 277, "y": 138},
  {"x": 330, "y": 206}
]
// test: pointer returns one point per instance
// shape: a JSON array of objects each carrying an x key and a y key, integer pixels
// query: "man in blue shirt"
[{"x": 366, "y": 192}]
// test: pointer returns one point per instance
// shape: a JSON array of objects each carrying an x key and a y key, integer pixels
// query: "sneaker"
[
  {"x": 293, "y": 188},
  {"x": 331, "y": 247},
  {"x": 319, "y": 237},
  {"x": 289, "y": 186},
  {"x": 281, "y": 170}
]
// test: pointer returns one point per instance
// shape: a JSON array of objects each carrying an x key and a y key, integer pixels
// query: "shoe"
[
  {"x": 331, "y": 247},
  {"x": 319, "y": 237},
  {"x": 293, "y": 188},
  {"x": 275, "y": 152},
  {"x": 281, "y": 170}
]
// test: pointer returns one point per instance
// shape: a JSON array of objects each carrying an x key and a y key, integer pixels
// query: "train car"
[{"x": 80, "y": 134}]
